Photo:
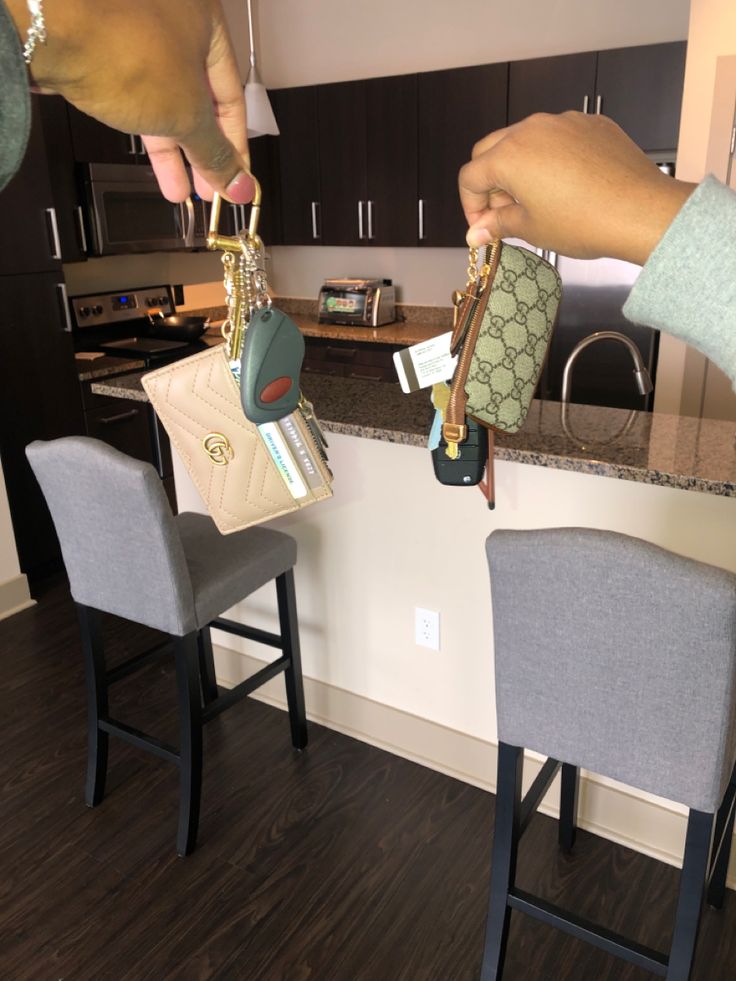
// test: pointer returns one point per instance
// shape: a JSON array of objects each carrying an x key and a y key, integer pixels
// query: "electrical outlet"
[{"x": 427, "y": 628}]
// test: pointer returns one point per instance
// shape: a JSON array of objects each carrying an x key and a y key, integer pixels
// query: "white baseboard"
[
  {"x": 15, "y": 596},
  {"x": 644, "y": 823}
]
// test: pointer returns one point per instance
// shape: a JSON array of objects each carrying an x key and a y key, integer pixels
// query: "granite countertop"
[{"x": 651, "y": 448}]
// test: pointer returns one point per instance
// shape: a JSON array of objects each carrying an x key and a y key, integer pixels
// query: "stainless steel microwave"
[{"x": 128, "y": 213}]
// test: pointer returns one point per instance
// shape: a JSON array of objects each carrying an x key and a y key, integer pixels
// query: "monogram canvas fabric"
[
  {"x": 513, "y": 339},
  {"x": 198, "y": 402}
]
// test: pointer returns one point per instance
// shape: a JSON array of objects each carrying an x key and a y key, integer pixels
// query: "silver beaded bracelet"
[{"x": 37, "y": 30}]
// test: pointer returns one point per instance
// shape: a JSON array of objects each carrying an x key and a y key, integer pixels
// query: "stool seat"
[
  {"x": 125, "y": 553},
  {"x": 618, "y": 656},
  {"x": 225, "y": 568}
]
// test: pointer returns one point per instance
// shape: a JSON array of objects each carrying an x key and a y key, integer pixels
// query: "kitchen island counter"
[{"x": 651, "y": 448}]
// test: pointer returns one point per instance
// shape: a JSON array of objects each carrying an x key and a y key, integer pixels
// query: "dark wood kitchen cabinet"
[
  {"x": 456, "y": 109},
  {"x": 63, "y": 177},
  {"x": 554, "y": 85},
  {"x": 368, "y": 161},
  {"x": 297, "y": 164},
  {"x": 29, "y": 226},
  {"x": 93, "y": 142},
  {"x": 39, "y": 399},
  {"x": 641, "y": 89},
  {"x": 264, "y": 156}
]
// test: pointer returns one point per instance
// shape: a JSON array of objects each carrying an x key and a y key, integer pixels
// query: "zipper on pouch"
[{"x": 454, "y": 428}]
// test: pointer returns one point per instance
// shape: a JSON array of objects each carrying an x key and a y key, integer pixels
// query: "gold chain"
[{"x": 477, "y": 276}]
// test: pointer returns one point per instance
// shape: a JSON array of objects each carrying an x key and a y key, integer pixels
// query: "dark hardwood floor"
[{"x": 342, "y": 863}]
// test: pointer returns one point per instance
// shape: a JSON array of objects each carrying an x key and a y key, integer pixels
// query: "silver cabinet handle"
[
  {"x": 421, "y": 219},
  {"x": 315, "y": 233},
  {"x": 132, "y": 146},
  {"x": 370, "y": 219},
  {"x": 55, "y": 243},
  {"x": 108, "y": 420},
  {"x": 82, "y": 232},
  {"x": 360, "y": 220},
  {"x": 586, "y": 103},
  {"x": 598, "y": 104},
  {"x": 141, "y": 146},
  {"x": 64, "y": 303}
]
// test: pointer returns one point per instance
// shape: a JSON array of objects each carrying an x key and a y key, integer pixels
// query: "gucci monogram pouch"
[
  {"x": 244, "y": 473},
  {"x": 503, "y": 326}
]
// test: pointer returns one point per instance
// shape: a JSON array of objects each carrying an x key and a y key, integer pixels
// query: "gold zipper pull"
[{"x": 454, "y": 434}]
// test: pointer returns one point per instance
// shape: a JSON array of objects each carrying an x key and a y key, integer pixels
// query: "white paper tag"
[{"x": 424, "y": 364}]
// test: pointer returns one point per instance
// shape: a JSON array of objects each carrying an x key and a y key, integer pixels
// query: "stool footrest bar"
[
  {"x": 139, "y": 739},
  {"x": 612, "y": 943},
  {"x": 244, "y": 689},
  {"x": 134, "y": 663},
  {"x": 536, "y": 792},
  {"x": 251, "y": 633}
]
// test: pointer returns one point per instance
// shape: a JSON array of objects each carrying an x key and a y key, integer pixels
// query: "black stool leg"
[
  {"x": 724, "y": 836},
  {"x": 186, "y": 650},
  {"x": 293, "y": 674},
  {"x": 568, "y": 806},
  {"x": 503, "y": 860},
  {"x": 690, "y": 901},
  {"x": 206, "y": 666},
  {"x": 96, "y": 684}
]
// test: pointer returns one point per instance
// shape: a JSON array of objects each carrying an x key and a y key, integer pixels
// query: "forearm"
[{"x": 688, "y": 286}]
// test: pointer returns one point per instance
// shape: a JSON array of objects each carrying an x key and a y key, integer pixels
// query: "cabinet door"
[
  {"x": 551, "y": 85},
  {"x": 456, "y": 109},
  {"x": 29, "y": 231},
  {"x": 641, "y": 89},
  {"x": 73, "y": 233},
  {"x": 297, "y": 164},
  {"x": 93, "y": 142},
  {"x": 391, "y": 117},
  {"x": 264, "y": 164},
  {"x": 39, "y": 399},
  {"x": 342, "y": 150}
]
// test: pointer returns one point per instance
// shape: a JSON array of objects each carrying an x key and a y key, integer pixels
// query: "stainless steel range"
[{"x": 117, "y": 323}]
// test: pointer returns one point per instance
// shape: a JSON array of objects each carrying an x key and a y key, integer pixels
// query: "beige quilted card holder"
[{"x": 198, "y": 403}]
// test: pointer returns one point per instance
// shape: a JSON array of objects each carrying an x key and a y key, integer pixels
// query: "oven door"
[{"x": 129, "y": 214}]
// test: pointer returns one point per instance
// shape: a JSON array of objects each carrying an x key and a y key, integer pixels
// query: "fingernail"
[
  {"x": 240, "y": 189},
  {"x": 478, "y": 236}
]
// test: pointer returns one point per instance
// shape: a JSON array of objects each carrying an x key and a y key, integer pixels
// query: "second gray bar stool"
[{"x": 620, "y": 657}]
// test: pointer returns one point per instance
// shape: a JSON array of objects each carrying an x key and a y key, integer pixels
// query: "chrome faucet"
[{"x": 641, "y": 375}]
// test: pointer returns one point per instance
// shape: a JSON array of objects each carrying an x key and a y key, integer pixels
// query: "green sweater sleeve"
[
  {"x": 688, "y": 286},
  {"x": 15, "y": 103}
]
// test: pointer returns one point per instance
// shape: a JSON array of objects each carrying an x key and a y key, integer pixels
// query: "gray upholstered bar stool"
[
  {"x": 125, "y": 553},
  {"x": 618, "y": 656}
]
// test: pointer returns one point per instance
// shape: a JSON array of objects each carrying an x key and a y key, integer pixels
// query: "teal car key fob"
[{"x": 270, "y": 364}]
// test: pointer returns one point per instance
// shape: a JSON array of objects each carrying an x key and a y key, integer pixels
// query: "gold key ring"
[{"x": 230, "y": 243}]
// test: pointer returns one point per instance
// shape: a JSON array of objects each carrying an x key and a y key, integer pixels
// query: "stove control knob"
[
  {"x": 84, "y": 311},
  {"x": 163, "y": 300},
  {"x": 150, "y": 301},
  {"x": 97, "y": 310}
]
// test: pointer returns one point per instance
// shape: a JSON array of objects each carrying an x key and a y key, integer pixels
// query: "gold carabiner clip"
[{"x": 231, "y": 243}]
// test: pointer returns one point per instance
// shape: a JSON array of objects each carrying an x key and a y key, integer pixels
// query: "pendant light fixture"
[{"x": 261, "y": 120}]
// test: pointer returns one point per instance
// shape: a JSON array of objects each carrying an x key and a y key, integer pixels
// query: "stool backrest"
[
  {"x": 618, "y": 656},
  {"x": 118, "y": 537}
]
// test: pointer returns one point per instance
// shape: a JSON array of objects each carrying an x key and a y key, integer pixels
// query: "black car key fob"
[
  {"x": 273, "y": 352},
  {"x": 467, "y": 470}
]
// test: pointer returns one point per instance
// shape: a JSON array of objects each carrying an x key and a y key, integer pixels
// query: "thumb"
[
  {"x": 217, "y": 161},
  {"x": 506, "y": 222}
]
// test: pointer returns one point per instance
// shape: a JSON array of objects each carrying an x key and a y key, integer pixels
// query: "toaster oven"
[{"x": 357, "y": 302}]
